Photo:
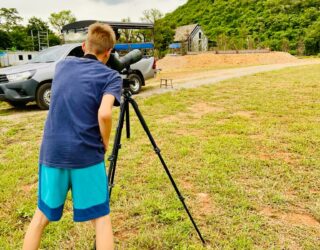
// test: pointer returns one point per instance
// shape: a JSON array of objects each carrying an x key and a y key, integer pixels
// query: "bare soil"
[
  {"x": 189, "y": 76},
  {"x": 202, "y": 108},
  {"x": 205, "y": 202},
  {"x": 292, "y": 217},
  {"x": 211, "y": 61}
]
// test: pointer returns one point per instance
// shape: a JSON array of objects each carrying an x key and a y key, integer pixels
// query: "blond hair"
[{"x": 100, "y": 38}]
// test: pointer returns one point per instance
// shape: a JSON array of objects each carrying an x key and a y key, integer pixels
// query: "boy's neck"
[{"x": 97, "y": 57}]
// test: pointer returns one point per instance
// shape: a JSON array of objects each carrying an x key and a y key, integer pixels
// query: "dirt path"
[
  {"x": 215, "y": 76},
  {"x": 181, "y": 80}
]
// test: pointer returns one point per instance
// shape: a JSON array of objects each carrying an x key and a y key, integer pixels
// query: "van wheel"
[
  {"x": 43, "y": 96},
  {"x": 136, "y": 86}
]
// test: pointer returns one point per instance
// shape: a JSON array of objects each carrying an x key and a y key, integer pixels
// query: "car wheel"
[
  {"x": 137, "y": 83},
  {"x": 18, "y": 104},
  {"x": 43, "y": 96}
]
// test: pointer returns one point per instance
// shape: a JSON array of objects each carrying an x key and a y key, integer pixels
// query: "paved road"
[{"x": 221, "y": 75}]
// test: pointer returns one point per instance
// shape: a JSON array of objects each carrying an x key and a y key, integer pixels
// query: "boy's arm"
[{"x": 105, "y": 118}]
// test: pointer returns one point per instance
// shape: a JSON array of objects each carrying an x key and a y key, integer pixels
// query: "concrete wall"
[{"x": 9, "y": 58}]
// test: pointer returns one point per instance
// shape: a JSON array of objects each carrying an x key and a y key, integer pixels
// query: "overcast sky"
[{"x": 104, "y": 10}]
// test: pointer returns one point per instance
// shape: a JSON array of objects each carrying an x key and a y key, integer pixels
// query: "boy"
[{"x": 75, "y": 139}]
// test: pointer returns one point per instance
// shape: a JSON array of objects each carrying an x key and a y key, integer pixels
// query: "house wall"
[
  {"x": 9, "y": 58},
  {"x": 198, "y": 42}
]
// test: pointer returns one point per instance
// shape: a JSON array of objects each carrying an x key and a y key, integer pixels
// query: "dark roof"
[{"x": 117, "y": 25}]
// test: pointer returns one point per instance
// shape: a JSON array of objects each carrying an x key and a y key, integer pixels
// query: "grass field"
[{"x": 244, "y": 153}]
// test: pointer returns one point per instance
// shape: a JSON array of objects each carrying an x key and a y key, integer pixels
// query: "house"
[{"x": 192, "y": 38}]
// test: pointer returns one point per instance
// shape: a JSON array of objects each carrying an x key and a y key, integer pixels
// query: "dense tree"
[
  {"x": 60, "y": 19},
  {"x": 5, "y": 40},
  {"x": 36, "y": 25},
  {"x": 289, "y": 25},
  {"x": 13, "y": 35},
  {"x": 163, "y": 36},
  {"x": 9, "y": 18},
  {"x": 312, "y": 39},
  {"x": 20, "y": 38},
  {"x": 54, "y": 39}
]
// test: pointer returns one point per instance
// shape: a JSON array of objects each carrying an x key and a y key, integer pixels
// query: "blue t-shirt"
[{"x": 72, "y": 136}]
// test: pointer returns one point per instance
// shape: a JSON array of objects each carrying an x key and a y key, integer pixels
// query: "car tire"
[
  {"x": 43, "y": 96},
  {"x": 136, "y": 87},
  {"x": 18, "y": 104}
]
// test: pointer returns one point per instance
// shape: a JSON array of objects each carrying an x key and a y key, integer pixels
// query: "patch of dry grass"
[{"x": 245, "y": 154}]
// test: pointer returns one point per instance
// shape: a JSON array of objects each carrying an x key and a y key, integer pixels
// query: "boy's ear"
[
  {"x": 108, "y": 52},
  {"x": 84, "y": 47}
]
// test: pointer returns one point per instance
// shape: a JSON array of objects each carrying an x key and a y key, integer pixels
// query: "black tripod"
[{"x": 124, "y": 113}]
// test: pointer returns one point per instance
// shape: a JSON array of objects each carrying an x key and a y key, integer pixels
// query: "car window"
[
  {"x": 78, "y": 52},
  {"x": 52, "y": 54}
]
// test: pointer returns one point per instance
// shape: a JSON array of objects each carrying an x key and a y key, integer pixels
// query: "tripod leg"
[
  {"x": 127, "y": 121},
  {"x": 157, "y": 150},
  {"x": 116, "y": 146}
]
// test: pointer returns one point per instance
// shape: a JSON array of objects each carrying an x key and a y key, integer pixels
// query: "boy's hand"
[{"x": 105, "y": 118}]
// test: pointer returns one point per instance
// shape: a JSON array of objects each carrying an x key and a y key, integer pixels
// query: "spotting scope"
[{"x": 119, "y": 64}]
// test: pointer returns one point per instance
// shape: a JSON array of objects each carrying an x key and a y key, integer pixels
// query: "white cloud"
[
  {"x": 105, "y": 10},
  {"x": 112, "y": 2}
]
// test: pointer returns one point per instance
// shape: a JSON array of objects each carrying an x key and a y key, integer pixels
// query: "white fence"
[{"x": 8, "y": 58}]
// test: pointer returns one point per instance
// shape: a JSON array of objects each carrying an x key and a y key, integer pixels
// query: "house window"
[
  {"x": 20, "y": 57},
  {"x": 29, "y": 57},
  {"x": 200, "y": 35}
]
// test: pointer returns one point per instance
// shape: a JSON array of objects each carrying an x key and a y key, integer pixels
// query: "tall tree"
[
  {"x": 151, "y": 15},
  {"x": 9, "y": 18},
  {"x": 126, "y": 34},
  {"x": 20, "y": 38},
  {"x": 36, "y": 24},
  {"x": 164, "y": 33},
  {"x": 60, "y": 19}
]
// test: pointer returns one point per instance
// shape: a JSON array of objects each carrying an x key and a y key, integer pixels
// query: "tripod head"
[{"x": 126, "y": 87}]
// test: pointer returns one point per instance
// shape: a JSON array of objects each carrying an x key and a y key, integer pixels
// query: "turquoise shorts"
[{"x": 89, "y": 188}]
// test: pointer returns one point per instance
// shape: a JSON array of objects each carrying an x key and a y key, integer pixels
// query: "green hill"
[{"x": 286, "y": 25}]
